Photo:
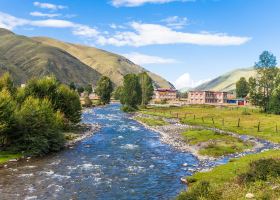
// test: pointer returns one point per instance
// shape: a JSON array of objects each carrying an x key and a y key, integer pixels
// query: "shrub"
[
  {"x": 38, "y": 127},
  {"x": 261, "y": 170},
  {"x": 127, "y": 108}
]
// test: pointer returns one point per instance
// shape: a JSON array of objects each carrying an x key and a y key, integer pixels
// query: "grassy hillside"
[
  {"x": 227, "y": 81},
  {"x": 106, "y": 63},
  {"x": 26, "y": 58}
]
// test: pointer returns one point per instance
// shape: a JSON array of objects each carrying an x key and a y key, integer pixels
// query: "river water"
[{"x": 123, "y": 160}]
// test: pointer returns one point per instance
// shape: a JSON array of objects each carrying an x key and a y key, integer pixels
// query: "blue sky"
[{"x": 185, "y": 41}]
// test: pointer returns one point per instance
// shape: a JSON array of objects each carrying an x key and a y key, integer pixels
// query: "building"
[
  {"x": 165, "y": 94},
  {"x": 207, "y": 97}
]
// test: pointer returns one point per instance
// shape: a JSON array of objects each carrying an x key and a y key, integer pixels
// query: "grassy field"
[
  {"x": 240, "y": 120},
  {"x": 151, "y": 121},
  {"x": 6, "y": 156},
  {"x": 224, "y": 180},
  {"x": 217, "y": 144}
]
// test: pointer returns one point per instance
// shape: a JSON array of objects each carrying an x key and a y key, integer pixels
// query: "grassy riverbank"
[
  {"x": 239, "y": 120},
  {"x": 215, "y": 144},
  {"x": 250, "y": 174},
  {"x": 151, "y": 121},
  {"x": 5, "y": 156}
]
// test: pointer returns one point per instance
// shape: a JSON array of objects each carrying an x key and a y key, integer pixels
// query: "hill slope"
[
  {"x": 25, "y": 58},
  {"x": 227, "y": 81},
  {"x": 106, "y": 63}
]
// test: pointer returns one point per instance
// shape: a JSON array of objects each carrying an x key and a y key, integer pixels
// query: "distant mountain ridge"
[
  {"x": 227, "y": 81},
  {"x": 26, "y": 57}
]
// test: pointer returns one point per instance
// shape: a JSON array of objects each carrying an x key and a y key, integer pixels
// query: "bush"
[
  {"x": 38, "y": 127},
  {"x": 127, "y": 108},
  {"x": 261, "y": 170},
  {"x": 245, "y": 112},
  {"x": 202, "y": 190}
]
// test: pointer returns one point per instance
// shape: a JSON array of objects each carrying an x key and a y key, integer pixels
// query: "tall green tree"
[
  {"x": 147, "y": 88},
  {"x": 88, "y": 88},
  {"x": 7, "y": 119},
  {"x": 264, "y": 83},
  {"x": 242, "y": 88},
  {"x": 118, "y": 93},
  {"x": 131, "y": 94},
  {"x": 61, "y": 96},
  {"x": 104, "y": 89},
  {"x": 72, "y": 86}
]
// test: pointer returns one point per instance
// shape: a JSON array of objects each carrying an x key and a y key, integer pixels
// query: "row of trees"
[
  {"x": 264, "y": 89},
  {"x": 137, "y": 90},
  {"x": 33, "y": 118}
]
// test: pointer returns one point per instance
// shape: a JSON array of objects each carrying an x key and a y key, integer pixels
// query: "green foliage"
[
  {"x": 262, "y": 86},
  {"x": 147, "y": 88},
  {"x": 127, "y": 108},
  {"x": 242, "y": 88},
  {"x": 88, "y": 102},
  {"x": 131, "y": 94},
  {"x": 261, "y": 169},
  {"x": 80, "y": 90},
  {"x": 59, "y": 95},
  {"x": 88, "y": 89},
  {"x": 38, "y": 127},
  {"x": 152, "y": 121},
  {"x": 274, "y": 104},
  {"x": 7, "y": 121},
  {"x": 118, "y": 93},
  {"x": 72, "y": 86},
  {"x": 203, "y": 190},
  {"x": 104, "y": 89},
  {"x": 7, "y": 83}
]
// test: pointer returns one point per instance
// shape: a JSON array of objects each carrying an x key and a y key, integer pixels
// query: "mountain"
[
  {"x": 109, "y": 64},
  {"x": 26, "y": 57},
  {"x": 227, "y": 81}
]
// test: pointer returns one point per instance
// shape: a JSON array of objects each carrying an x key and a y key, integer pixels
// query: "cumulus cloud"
[
  {"x": 142, "y": 59},
  {"x": 154, "y": 34},
  {"x": 40, "y": 14},
  {"x": 48, "y": 6},
  {"x": 10, "y": 22},
  {"x": 185, "y": 81},
  {"x": 176, "y": 22},
  {"x": 134, "y": 3}
]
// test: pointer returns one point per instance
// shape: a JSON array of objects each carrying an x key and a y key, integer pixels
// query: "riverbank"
[
  {"x": 84, "y": 131},
  {"x": 172, "y": 133}
]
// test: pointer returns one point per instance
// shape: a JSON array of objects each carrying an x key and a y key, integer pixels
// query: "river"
[{"x": 123, "y": 160}]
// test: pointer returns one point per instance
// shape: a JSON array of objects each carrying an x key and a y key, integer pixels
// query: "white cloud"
[
  {"x": 10, "y": 22},
  {"x": 142, "y": 59},
  {"x": 152, "y": 34},
  {"x": 176, "y": 22},
  {"x": 134, "y": 3},
  {"x": 185, "y": 81},
  {"x": 40, "y": 14},
  {"x": 48, "y": 6}
]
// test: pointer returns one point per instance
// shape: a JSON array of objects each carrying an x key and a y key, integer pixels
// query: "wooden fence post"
[
  {"x": 194, "y": 117},
  {"x": 177, "y": 115},
  {"x": 259, "y": 124},
  {"x": 276, "y": 128},
  {"x": 238, "y": 125},
  {"x": 202, "y": 120},
  {"x": 213, "y": 120}
]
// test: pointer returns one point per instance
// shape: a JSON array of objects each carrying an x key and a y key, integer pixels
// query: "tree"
[
  {"x": 80, "y": 90},
  {"x": 264, "y": 83},
  {"x": 38, "y": 127},
  {"x": 147, "y": 88},
  {"x": 72, "y": 86},
  {"x": 88, "y": 89},
  {"x": 104, "y": 89},
  {"x": 242, "y": 88},
  {"x": 7, "y": 120},
  {"x": 7, "y": 82},
  {"x": 131, "y": 95},
  {"x": 274, "y": 104},
  {"x": 63, "y": 99},
  {"x": 118, "y": 93}
]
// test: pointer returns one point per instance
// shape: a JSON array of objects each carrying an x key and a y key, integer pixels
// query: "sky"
[{"x": 185, "y": 41}]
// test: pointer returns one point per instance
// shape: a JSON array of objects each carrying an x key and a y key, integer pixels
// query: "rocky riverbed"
[{"x": 171, "y": 134}]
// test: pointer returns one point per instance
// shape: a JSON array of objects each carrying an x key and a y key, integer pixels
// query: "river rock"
[
  {"x": 249, "y": 196},
  {"x": 185, "y": 164},
  {"x": 13, "y": 160}
]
